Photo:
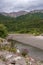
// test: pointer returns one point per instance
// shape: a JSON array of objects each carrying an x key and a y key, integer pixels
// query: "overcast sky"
[{"x": 17, "y": 5}]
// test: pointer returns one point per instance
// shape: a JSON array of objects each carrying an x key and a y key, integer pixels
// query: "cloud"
[{"x": 16, "y": 5}]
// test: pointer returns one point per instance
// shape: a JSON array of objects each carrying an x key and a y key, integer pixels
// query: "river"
[
  {"x": 32, "y": 51},
  {"x": 34, "y": 44}
]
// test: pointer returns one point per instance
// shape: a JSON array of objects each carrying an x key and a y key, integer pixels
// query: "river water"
[
  {"x": 30, "y": 43},
  {"x": 32, "y": 51}
]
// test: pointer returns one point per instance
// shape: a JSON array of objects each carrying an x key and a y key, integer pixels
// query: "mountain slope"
[
  {"x": 29, "y": 23},
  {"x": 15, "y": 14}
]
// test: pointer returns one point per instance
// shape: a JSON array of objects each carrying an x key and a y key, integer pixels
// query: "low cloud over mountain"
[{"x": 17, "y": 5}]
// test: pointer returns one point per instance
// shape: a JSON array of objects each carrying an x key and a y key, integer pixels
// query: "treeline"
[{"x": 29, "y": 23}]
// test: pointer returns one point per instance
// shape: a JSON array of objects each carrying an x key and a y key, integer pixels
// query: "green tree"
[{"x": 3, "y": 31}]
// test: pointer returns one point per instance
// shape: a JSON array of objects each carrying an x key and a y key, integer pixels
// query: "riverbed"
[
  {"x": 34, "y": 44},
  {"x": 32, "y": 51}
]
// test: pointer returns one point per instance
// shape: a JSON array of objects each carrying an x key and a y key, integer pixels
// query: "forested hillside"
[{"x": 29, "y": 23}]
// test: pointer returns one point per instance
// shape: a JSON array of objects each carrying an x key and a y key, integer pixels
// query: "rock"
[
  {"x": 21, "y": 61},
  {"x": 2, "y": 63}
]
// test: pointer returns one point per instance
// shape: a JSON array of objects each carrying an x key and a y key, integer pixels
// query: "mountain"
[
  {"x": 15, "y": 14},
  {"x": 31, "y": 22},
  {"x": 19, "y": 13},
  {"x": 37, "y": 11}
]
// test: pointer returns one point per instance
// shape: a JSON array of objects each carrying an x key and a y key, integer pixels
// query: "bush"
[
  {"x": 3, "y": 31},
  {"x": 13, "y": 50},
  {"x": 24, "y": 52}
]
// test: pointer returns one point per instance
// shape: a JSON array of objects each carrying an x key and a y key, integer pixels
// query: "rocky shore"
[
  {"x": 9, "y": 58},
  {"x": 15, "y": 58}
]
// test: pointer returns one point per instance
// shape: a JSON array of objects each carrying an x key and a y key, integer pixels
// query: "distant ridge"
[
  {"x": 37, "y": 11},
  {"x": 14, "y": 14},
  {"x": 19, "y": 13}
]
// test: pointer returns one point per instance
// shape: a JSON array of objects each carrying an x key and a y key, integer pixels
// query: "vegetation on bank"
[
  {"x": 29, "y": 23},
  {"x": 3, "y": 31}
]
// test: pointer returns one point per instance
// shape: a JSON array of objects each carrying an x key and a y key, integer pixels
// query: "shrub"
[
  {"x": 12, "y": 50},
  {"x": 24, "y": 52},
  {"x": 3, "y": 31}
]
